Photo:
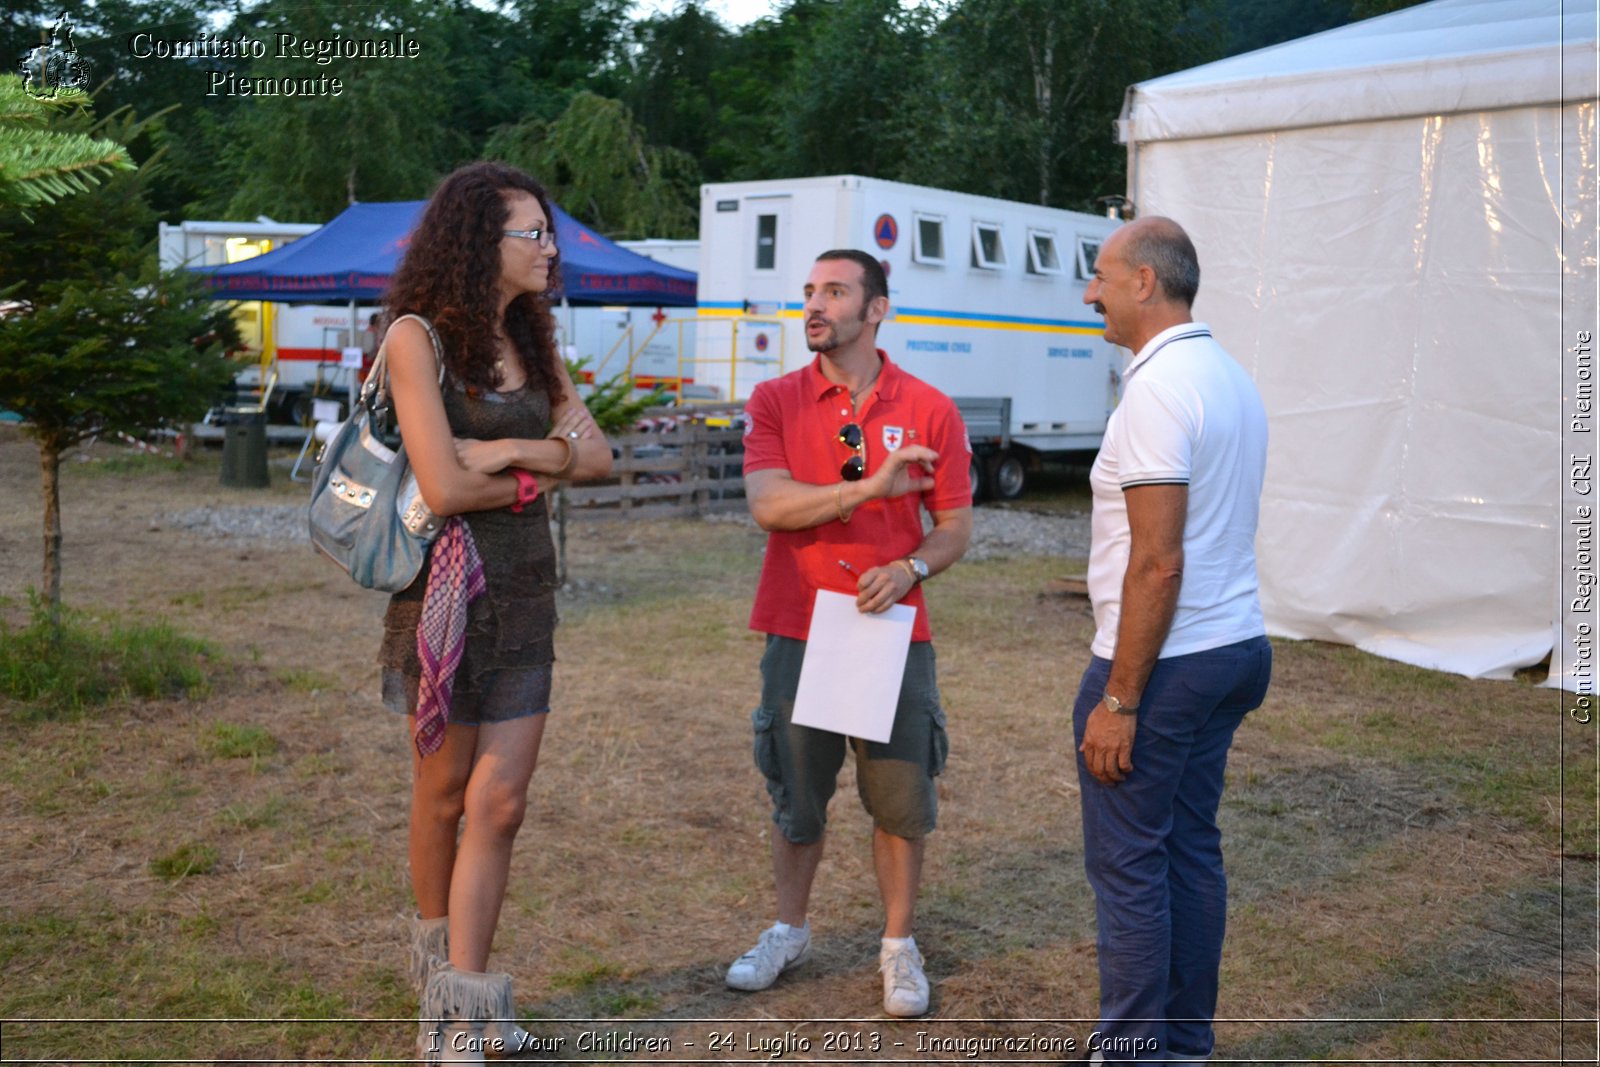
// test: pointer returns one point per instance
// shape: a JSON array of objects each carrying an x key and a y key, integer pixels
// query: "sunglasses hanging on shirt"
[{"x": 855, "y": 467}]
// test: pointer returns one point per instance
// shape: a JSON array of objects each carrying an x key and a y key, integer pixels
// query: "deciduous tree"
[
  {"x": 845, "y": 100},
  {"x": 192, "y": 127},
  {"x": 597, "y": 166},
  {"x": 1017, "y": 97},
  {"x": 569, "y": 46},
  {"x": 384, "y": 137},
  {"x": 672, "y": 80}
]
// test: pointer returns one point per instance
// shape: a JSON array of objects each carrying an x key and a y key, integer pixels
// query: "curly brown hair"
[{"x": 448, "y": 276}]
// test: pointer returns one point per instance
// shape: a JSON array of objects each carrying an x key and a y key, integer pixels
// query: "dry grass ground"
[{"x": 1395, "y": 836}]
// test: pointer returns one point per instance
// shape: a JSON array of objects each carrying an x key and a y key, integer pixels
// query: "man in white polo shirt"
[{"x": 1180, "y": 650}]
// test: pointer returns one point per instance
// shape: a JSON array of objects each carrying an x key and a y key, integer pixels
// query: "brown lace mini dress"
[{"x": 505, "y": 666}]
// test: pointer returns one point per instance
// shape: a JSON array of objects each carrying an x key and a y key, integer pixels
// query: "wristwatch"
[
  {"x": 1118, "y": 707},
  {"x": 919, "y": 569}
]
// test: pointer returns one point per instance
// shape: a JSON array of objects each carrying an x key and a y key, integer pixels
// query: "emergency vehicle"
[
  {"x": 986, "y": 304},
  {"x": 297, "y": 348}
]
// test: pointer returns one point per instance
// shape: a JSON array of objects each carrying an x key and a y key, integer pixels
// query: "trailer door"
[{"x": 765, "y": 287}]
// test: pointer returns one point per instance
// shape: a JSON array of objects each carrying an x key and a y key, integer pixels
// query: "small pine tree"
[
  {"x": 612, "y": 403},
  {"x": 94, "y": 339},
  {"x": 39, "y": 165}
]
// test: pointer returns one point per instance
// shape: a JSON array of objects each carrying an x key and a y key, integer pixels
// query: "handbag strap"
[{"x": 375, "y": 390}]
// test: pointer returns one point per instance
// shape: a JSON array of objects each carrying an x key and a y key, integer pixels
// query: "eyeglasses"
[
  {"x": 851, "y": 437},
  {"x": 546, "y": 238}
]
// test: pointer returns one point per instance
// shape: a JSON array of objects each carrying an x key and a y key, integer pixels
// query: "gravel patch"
[
  {"x": 997, "y": 533},
  {"x": 1000, "y": 533},
  {"x": 285, "y": 523}
]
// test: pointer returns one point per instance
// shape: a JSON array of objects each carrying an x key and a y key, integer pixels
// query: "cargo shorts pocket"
[
  {"x": 938, "y": 742},
  {"x": 763, "y": 722}
]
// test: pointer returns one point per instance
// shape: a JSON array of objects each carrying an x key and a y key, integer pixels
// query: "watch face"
[{"x": 920, "y": 567}]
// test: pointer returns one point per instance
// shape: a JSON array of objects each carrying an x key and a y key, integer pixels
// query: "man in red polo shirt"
[{"x": 840, "y": 459}]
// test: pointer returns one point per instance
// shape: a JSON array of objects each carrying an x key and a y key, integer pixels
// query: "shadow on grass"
[{"x": 1453, "y": 995}]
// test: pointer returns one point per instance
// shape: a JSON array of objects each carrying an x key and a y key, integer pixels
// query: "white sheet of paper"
[{"x": 850, "y": 677}]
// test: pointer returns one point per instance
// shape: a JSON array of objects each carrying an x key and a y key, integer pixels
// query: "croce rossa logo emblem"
[{"x": 50, "y": 68}]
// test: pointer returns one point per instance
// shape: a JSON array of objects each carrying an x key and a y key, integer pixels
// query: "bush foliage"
[{"x": 61, "y": 671}]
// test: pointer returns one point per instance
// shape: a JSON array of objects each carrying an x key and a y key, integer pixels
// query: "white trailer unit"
[
  {"x": 652, "y": 344},
  {"x": 986, "y": 303},
  {"x": 302, "y": 342},
  {"x": 213, "y": 244}
]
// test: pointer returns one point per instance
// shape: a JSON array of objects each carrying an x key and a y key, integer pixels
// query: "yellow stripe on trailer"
[
  {"x": 995, "y": 324},
  {"x": 917, "y": 320},
  {"x": 738, "y": 313}
]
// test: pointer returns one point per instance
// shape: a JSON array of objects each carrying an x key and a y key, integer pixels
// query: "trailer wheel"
[
  {"x": 980, "y": 479},
  {"x": 1008, "y": 476},
  {"x": 280, "y": 409},
  {"x": 297, "y": 408}
]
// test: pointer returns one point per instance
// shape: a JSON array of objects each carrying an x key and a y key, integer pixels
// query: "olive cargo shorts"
[{"x": 801, "y": 764}]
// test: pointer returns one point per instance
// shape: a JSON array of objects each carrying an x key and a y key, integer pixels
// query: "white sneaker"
[
  {"x": 905, "y": 987},
  {"x": 774, "y": 953}
]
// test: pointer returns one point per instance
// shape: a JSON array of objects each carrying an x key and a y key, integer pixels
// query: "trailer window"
[
  {"x": 929, "y": 244},
  {"x": 1088, "y": 252},
  {"x": 766, "y": 242},
  {"x": 988, "y": 247},
  {"x": 1042, "y": 255}
]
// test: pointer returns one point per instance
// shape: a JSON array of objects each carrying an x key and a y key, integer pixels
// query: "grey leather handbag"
[{"x": 366, "y": 513}]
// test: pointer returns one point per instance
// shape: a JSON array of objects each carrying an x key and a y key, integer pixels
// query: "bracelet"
[
  {"x": 838, "y": 502},
  {"x": 527, "y": 489},
  {"x": 911, "y": 570},
  {"x": 572, "y": 459}
]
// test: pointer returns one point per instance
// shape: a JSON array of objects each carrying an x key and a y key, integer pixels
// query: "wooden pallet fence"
[{"x": 690, "y": 470}]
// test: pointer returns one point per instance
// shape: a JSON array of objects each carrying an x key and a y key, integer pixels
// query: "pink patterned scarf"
[{"x": 455, "y": 580}]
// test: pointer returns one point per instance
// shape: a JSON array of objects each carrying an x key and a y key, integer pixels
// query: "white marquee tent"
[{"x": 1396, "y": 223}]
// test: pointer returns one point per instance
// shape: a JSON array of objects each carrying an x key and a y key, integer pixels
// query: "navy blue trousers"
[{"x": 1153, "y": 852}]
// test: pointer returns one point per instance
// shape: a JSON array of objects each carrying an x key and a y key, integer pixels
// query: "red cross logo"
[{"x": 658, "y": 318}]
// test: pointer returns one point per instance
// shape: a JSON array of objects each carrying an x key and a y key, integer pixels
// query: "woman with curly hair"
[{"x": 488, "y": 422}]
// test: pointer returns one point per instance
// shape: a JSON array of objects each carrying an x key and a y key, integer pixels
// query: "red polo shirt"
[{"x": 792, "y": 424}]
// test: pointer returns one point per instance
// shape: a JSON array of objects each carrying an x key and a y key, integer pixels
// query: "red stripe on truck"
[{"x": 317, "y": 355}]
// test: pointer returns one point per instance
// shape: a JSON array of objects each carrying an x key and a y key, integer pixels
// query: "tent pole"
[
  {"x": 354, "y": 374},
  {"x": 571, "y": 319}
]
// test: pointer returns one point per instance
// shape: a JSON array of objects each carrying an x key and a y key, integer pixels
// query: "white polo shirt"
[{"x": 1191, "y": 416}]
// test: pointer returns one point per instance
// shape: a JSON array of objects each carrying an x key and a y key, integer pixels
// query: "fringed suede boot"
[
  {"x": 455, "y": 1007},
  {"x": 430, "y": 947},
  {"x": 430, "y": 943}
]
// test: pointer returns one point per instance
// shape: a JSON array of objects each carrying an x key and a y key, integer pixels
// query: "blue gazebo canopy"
[{"x": 354, "y": 255}]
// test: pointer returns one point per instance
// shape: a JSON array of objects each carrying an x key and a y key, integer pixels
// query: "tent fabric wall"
[
  {"x": 1446, "y": 57},
  {"x": 1396, "y": 288}
]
